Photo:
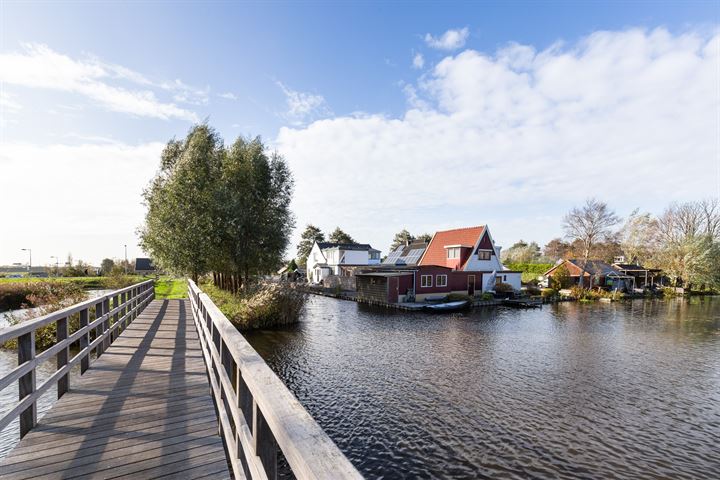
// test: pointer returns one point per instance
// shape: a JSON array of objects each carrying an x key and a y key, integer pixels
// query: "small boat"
[{"x": 447, "y": 307}]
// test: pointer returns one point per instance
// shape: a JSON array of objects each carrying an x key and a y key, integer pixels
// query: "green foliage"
[
  {"x": 536, "y": 268},
  {"x": 549, "y": 292},
  {"x": 292, "y": 266},
  {"x": 310, "y": 235},
  {"x": 561, "y": 278},
  {"x": 259, "y": 305},
  {"x": 485, "y": 296},
  {"x": 522, "y": 252},
  {"x": 504, "y": 288},
  {"x": 170, "y": 288},
  {"x": 338, "y": 236},
  {"x": 403, "y": 237},
  {"x": 217, "y": 208},
  {"x": 106, "y": 266}
]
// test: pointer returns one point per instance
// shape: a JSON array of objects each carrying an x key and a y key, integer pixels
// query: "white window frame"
[
  {"x": 423, "y": 283},
  {"x": 438, "y": 278},
  {"x": 453, "y": 250},
  {"x": 484, "y": 252}
]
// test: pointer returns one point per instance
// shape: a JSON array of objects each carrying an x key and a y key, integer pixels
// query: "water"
[
  {"x": 8, "y": 361},
  {"x": 622, "y": 390}
]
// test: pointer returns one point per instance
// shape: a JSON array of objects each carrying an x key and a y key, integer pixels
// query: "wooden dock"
[{"x": 143, "y": 410}]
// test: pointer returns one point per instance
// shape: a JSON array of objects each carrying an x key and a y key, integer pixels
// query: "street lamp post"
[
  {"x": 29, "y": 250},
  {"x": 57, "y": 265},
  {"x": 126, "y": 262}
]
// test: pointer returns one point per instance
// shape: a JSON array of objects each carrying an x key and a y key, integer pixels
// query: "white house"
[{"x": 329, "y": 258}]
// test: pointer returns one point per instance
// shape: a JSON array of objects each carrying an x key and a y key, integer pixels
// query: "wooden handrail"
[
  {"x": 257, "y": 414},
  {"x": 127, "y": 303}
]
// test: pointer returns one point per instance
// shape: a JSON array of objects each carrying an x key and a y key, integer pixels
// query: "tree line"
[
  {"x": 217, "y": 208},
  {"x": 683, "y": 241}
]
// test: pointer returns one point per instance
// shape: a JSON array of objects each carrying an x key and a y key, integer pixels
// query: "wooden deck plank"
[{"x": 142, "y": 410}]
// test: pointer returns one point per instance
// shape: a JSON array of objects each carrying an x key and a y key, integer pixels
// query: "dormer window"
[
  {"x": 453, "y": 253},
  {"x": 484, "y": 254}
]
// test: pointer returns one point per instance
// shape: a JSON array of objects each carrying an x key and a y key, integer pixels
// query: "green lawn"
[{"x": 168, "y": 288}]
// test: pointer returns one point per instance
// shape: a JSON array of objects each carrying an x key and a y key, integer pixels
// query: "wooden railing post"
[
  {"x": 63, "y": 355},
  {"x": 99, "y": 312},
  {"x": 264, "y": 443},
  {"x": 26, "y": 383},
  {"x": 106, "y": 324},
  {"x": 84, "y": 341}
]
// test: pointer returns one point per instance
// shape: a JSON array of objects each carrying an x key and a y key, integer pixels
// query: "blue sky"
[{"x": 126, "y": 77}]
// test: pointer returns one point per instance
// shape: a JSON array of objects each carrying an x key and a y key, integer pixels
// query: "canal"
[{"x": 622, "y": 390}]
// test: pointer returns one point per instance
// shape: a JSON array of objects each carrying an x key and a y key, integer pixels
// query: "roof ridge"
[{"x": 460, "y": 228}]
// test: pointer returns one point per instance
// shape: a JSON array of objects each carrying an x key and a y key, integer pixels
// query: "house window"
[
  {"x": 484, "y": 254},
  {"x": 426, "y": 281},
  {"x": 453, "y": 252},
  {"x": 441, "y": 280}
]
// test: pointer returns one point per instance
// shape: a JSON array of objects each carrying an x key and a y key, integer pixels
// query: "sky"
[{"x": 391, "y": 115}]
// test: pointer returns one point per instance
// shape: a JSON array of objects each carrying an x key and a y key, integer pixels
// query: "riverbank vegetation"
[
  {"x": 259, "y": 305},
  {"x": 683, "y": 242},
  {"x": 223, "y": 212}
]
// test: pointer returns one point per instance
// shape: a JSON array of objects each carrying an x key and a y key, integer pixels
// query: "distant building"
[
  {"x": 144, "y": 266},
  {"x": 340, "y": 259},
  {"x": 595, "y": 273}
]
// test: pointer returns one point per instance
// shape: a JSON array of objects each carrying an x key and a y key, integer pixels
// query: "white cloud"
[
  {"x": 53, "y": 185},
  {"x": 630, "y": 117},
  {"x": 41, "y": 67},
  {"x": 418, "y": 61},
  {"x": 303, "y": 106},
  {"x": 228, "y": 96},
  {"x": 450, "y": 40}
]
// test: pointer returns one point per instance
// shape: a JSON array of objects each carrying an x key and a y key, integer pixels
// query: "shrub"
[
  {"x": 49, "y": 297},
  {"x": 533, "y": 290},
  {"x": 261, "y": 305},
  {"x": 549, "y": 292},
  {"x": 458, "y": 297},
  {"x": 504, "y": 288},
  {"x": 486, "y": 296}
]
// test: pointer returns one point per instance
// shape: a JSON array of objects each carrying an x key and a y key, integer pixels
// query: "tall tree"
[
  {"x": 403, "y": 237},
  {"x": 690, "y": 242},
  {"x": 255, "y": 193},
  {"x": 217, "y": 208},
  {"x": 423, "y": 237},
  {"x": 589, "y": 225},
  {"x": 556, "y": 249},
  {"x": 638, "y": 237},
  {"x": 106, "y": 266},
  {"x": 338, "y": 236},
  {"x": 310, "y": 235},
  {"x": 522, "y": 252},
  {"x": 182, "y": 204}
]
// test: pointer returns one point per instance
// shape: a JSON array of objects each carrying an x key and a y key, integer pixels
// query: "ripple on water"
[{"x": 570, "y": 391}]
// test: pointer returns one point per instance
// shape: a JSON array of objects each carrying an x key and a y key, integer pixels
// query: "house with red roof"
[{"x": 462, "y": 260}]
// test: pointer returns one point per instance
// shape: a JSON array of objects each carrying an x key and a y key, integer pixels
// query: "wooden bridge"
[{"x": 160, "y": 389}]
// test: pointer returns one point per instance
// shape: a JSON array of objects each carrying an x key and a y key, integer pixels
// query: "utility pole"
[
  {"x": 57, "y": 265},
  {"x": 29, "y": 250},
  {"x": 126, "y": 262}
]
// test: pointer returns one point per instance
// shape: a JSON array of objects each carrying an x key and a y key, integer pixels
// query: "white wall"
[{"x": 355, "y": 257}]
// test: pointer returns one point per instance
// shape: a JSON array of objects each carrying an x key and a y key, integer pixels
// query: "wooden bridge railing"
[
  {"x": 257, "y": 414},
  {"x": 111, "y": 314}
]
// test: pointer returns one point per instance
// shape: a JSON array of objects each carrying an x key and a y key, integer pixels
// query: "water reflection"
[{"x": 627, "y": 389}]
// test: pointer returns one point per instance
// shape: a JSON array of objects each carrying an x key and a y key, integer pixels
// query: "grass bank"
[
  {"x": 167, "y": 288},
  {"x": 263, "y": 305}
]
